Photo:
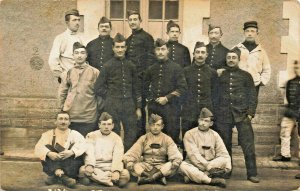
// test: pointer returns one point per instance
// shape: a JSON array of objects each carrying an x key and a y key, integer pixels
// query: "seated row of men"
[{"x": 67, "y": 157}]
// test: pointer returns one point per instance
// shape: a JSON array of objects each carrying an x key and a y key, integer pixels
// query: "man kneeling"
[
  {"x": 161, "y": 158},
  {"x": 207, "y": 159},
  {"x": 60, "y": 151},
  {"x": 103, "y": 161}
]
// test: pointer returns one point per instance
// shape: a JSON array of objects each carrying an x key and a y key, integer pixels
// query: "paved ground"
[{"x": 21, "y": 175}]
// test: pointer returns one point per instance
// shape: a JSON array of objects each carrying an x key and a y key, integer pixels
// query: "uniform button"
[
  {"x": 230, "y": 93},
  {"x": 198, "y": 85},
  {"x": 198, "y": 91},
  {"x": 212, "y": 56},
  {"x": 230, "y": 88},
  {"x": 199, "y": 75},
  {"x": 198, "y": 80},
  {"x": 230, "y": 83},
  {"x": 231, "y": 103},
  {"x": 198, "y": 101},
  {"x": 230, "y": 74}
]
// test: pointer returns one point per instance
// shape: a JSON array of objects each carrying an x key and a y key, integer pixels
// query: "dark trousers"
[
  {"x": 84, "y": 128},
  {"x": 123, "y": 110},
  {"x": 245, "y": 139},
  {"x": 141, "y": 124},
  {"x": 170, "y": 114},
  {"x": 70, "y": 166}
]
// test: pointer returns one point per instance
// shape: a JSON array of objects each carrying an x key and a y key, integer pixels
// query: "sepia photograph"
[{"x": 154, "y": 95}]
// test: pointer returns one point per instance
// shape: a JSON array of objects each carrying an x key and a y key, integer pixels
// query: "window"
[
  {"x": 163, "y": 9},
  {"x": 118, "y": 8}
]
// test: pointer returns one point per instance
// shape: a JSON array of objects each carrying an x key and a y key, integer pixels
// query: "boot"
[
  {"x": 186, "y": 180},
  {"x": 143, "y": 180},
  {"x": 297, "y": 176},
  {"x": 281, "y": 158},
  {"x": 218, "y": 182},
  {"x": 216, "y": 173},
  {"x": 253, "y": 179},
  {"x": 51, "y": 180},
  {"x": 67, "y": 181},
  {"x": 163, "y": 181},
  {"x": 157, "y": 176}
]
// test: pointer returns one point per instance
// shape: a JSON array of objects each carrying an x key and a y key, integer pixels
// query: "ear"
[
  {"x": 113, "y": 125},
  {"x": 211, "y": 123}
]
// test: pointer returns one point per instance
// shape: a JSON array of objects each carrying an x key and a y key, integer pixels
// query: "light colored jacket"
[{"x": 256, "y": 63}]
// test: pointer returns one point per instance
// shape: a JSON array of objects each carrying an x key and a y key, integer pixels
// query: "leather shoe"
[
  {"x": 218, "y": 182},
  {"x": 281, "y": 158},
  {"x": 253, "y": 179},
  {"x": 297, "y": 176}
]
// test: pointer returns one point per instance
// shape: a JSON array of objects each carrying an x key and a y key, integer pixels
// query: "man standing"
[
  {"x": 179, "y": 53},
  {"x": 60, "y": 151},
  {"x": 207, "y": 158},
  {"x": 100, "y": 49},
  {"x": 118, "y": 85},
  {"x": 165, "y": 82},
  {"x": 76, "y": 92},
  {"x": 103, "y": 160},
  {"x": 140, "y": 52},
  {"x": 236, "y": 107},
  {"x": 254, "y": 58},
  {"x": 61, "y": 55},
  {"x": 216, "y": 58},
  {"x": 201, "y": 81},
  {"x": 161, "y": 158}
]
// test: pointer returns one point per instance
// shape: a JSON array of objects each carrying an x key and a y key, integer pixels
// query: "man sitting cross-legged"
[{"x": 103, "y": 161}]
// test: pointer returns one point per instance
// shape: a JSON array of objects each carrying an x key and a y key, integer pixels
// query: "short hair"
[
  {"x": 104, "y": 117},
  {"x": 62, "y": 112},
  {"x": 119, "y": 38},
  {"x": 104, "y": 20},
  {"x": 133, "y": 12},
  {"x": 74, "y": 12},
  {"x": 235, "y": 50},
  {"x": 78, "y": 45}
]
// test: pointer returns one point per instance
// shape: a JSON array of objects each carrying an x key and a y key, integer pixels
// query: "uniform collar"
[
  {"x": 104, "y": 37},
  {"x": 173, "y": 42},
  {"x": 137, "y": 31},
  {"x": 68, "y": 31},
  {"x": 82, "y": 66},
  {"x": 197, "y": 66},
  {"x": 258, "y": 48}
]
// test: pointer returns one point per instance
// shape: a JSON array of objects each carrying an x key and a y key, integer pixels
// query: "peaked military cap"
[
  {"x": 72, "y": 12},
  {"x": 119, "y": 38},
  {"x": 104, "y": 20},
  {"x": 105, "y": 116},
  {"x": 171, "y": 24},
  {"x": 250, "y": 24},
  {"x": 77, "y": 45},
  {"x": 205, "y": 113},
  {"x": 159, "y": 42},
  {"x": 212, "y": 27},
  {"x": 133, "y": 12},
  {"x": 154, "y": 118},
  {"x": 235, "y": 50},
  {"x": 199, "y": 44}
]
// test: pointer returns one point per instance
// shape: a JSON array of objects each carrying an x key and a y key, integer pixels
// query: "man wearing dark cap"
[
  {"x": 179, "y": 53},
  {"x": 141, "y": 52},
  {"x": 76, "y": 92},
  {"x": 207, "y": 159},
  {"x": 216, "y": 58},
  {"x": 61, "y": 55},
  {"x": 100, "y": 49},
  {"x": 161, "y": 157},
  {"x": 254, "y": 58},
  {"x": 165, "y": 83},
  {"x": 236, "y": 107},
  {"x": 118, "y": 85},
  {"x": 202, "y": 85}
]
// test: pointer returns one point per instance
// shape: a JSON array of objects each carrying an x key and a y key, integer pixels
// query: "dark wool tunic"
[
  {"x": 293, "y": 96},
  {"x": 216, "y": 56},
  {"x": 179, "y": 53}
]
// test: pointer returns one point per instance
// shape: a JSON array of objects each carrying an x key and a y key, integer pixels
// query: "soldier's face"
[
  {"x": 174, "y": 33},
  {"x": 156, "y": 128},
  {"x": 215, "y": 35},
  {"x": 297, "y": 69},
  {"x": 119, "y": 49},
  {"x": 204, "y": 123},
  {"x": 80, "y": 55},
  {"x": 200, "y": 54},
  {"x": 134, "y": 22},
  {"x": 73, "y": 23},
  {"x": 232, "y": 59},
  {"x": 250, "y": 34},
  {"x": 162, "y": 52},
  {"x": 104, "y": 29},
  {"x": 106, "y": 126},
  {"x": 62, "y": 121}
]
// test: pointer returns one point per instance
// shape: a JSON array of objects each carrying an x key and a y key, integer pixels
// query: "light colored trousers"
[
  {"x": 287, "y": 126},
  {"x": 165, "y": 168}
]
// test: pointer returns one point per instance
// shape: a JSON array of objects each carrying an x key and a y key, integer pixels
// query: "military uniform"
[
  {"x": 237, "y": 99},
  {"x": 118, "y": 85},
  {"x": 140, "y": 50},
  {"x": 179, "y": 53},
  {"x": 165, "y": 78},
  {"x": 216, "y": 58},
  {"x": 202, "y": 86},
  {"x": 100, "y": 51}
]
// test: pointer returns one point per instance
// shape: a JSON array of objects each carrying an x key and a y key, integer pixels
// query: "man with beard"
[{"x": 100, "y": 49}]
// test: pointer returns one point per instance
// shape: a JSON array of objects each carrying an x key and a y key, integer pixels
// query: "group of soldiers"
[{"x": 121, "y": 80}]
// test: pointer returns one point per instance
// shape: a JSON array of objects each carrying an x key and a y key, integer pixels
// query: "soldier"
[
  {"x": 100, "y": 49},
  {"x": 201, "y": 81},
  {"x": 291, "y": 117},
  {"x": 103, "y": 160},
  {"x": 236, "y": 107},
  {"x": 118, "y": 85},
  {"x": 76, "y": 92},
  {"x": 141, "y": 52},
  {"x": 207, "y": 159},
  {"x": 179, "y": 53},
  {"x": 60, "y": 151},
  {"x": 254, "y": 58},
  {"x": 161, "y": 158},
  {"x": 165, "y": 83},
  {"x": 216, "y": 58},
  {"x": 61, "y": 55}
]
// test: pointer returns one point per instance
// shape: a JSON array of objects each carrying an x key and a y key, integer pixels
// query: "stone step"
[{"x": 260, "y": 150}]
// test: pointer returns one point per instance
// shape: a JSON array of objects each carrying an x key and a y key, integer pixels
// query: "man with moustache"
[
  {"x": 103, "y": 160},
  {"x": 141, "y": 52},
  {"x": 76, "y": 92},
  {"x": 207, "y": 159},
  {"x": 160, "y": 155},
  {"x": 216, "y": 58},
  {"x": 202, "y": 85},
  {"x": 165, "y": 83},
  {"x": 179, "y": 53},
  {"x": 60, "y": 151},
  {"x": 61, "y": 55},
  {"x": 118, "y": 85},
  {"x": 254, "y": 58},
  {"x": 236, "y": 107},
  {"x": 100, "y": 49}
]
